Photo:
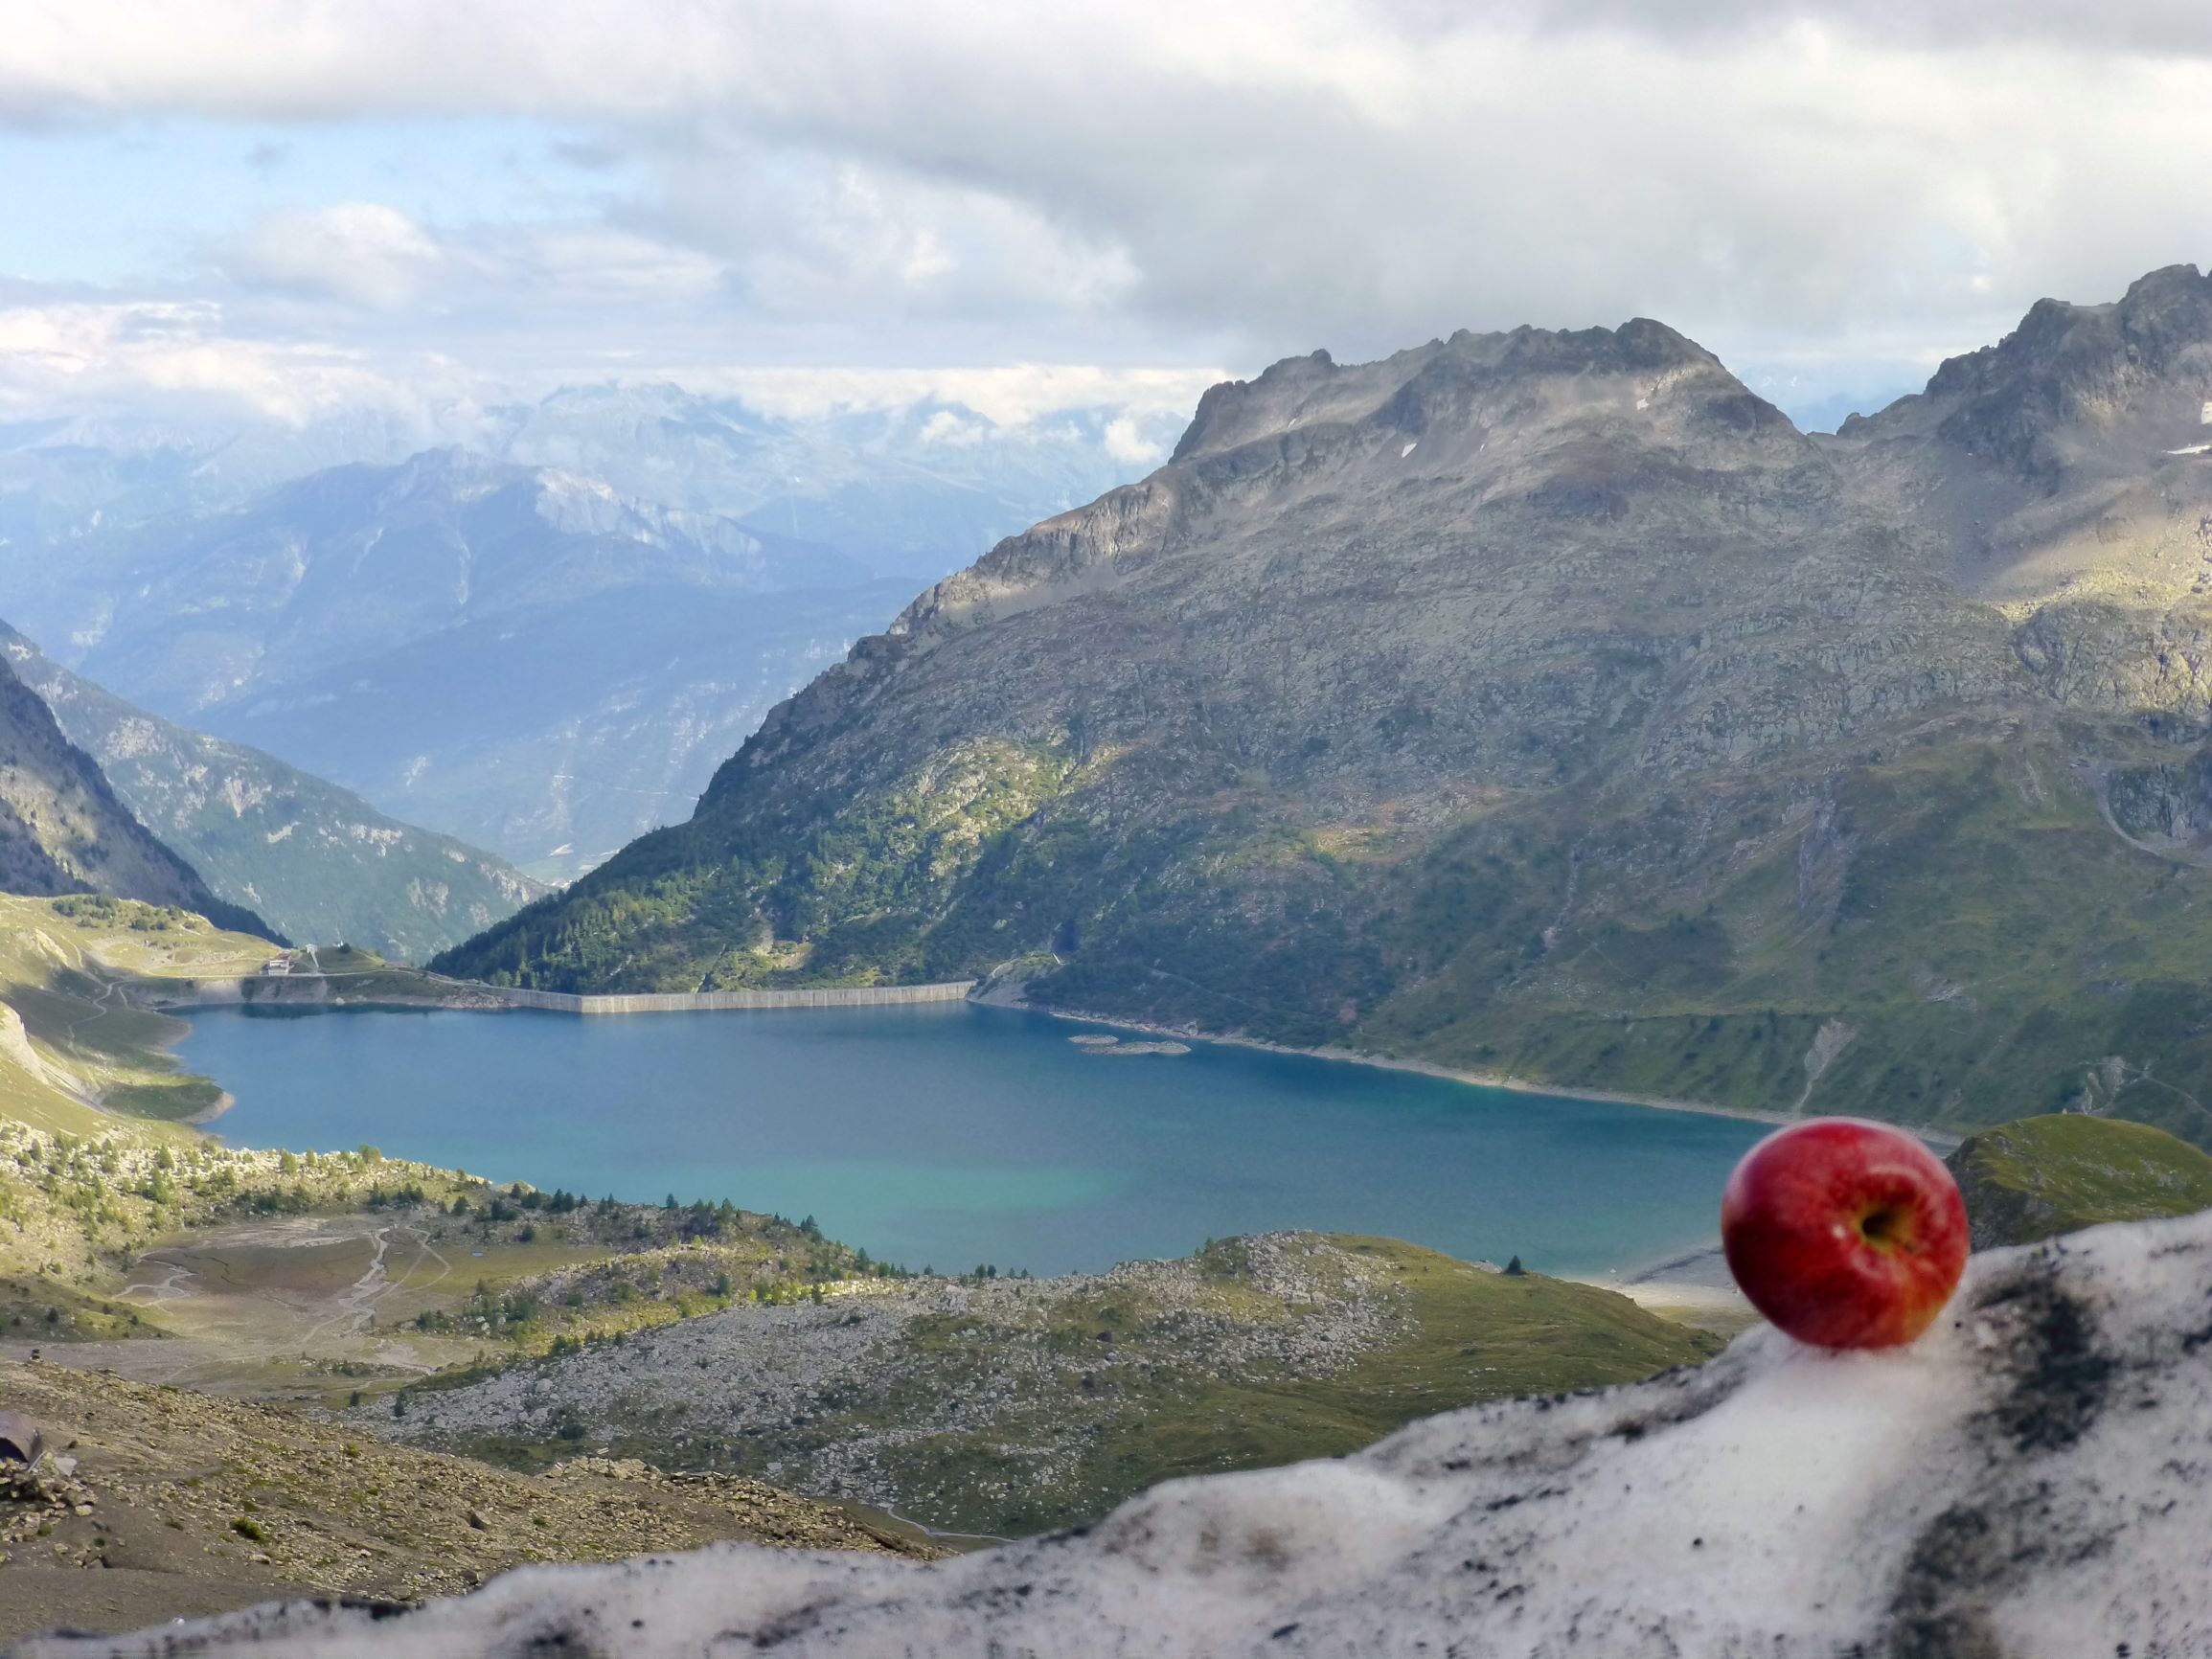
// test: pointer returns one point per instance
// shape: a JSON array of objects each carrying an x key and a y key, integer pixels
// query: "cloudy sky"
[{"x": 297, "y": 205}]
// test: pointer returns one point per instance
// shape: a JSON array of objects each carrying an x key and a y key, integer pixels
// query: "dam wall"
[
  {"x": 406, "y": 988},
  {"x": 702, "y": 1001}
]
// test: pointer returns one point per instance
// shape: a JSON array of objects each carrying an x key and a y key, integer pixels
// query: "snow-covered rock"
[{"x": 2033, "y": 1478}]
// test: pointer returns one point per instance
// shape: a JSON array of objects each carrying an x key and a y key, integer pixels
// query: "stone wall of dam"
[
  {"x": 692, "y": 1002},
  {"x": 392, "y": 990}
]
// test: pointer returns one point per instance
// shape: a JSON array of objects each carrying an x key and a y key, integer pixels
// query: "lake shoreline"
[
  {"x": 938, "y": 1135},
  {"x": 462, "y": 996},
  {"x": 1943, "y": 1139}
]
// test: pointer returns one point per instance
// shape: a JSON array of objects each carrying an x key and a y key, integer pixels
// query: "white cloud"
[
  {"x": 1126, "y": 442},
  {"x": 585, "y": 265},
  {"x": 193, "y": 358},
  {"x": 361, "y": 252},
  {"x": 373, "y": 256},
  {"x": 1012, "y": 394},
  {"x": 808, "y": 235},
  {"x": 953, "y": 430},
  {"x": 78, "y": 355},
  {"x": 1803, "y": 184}
]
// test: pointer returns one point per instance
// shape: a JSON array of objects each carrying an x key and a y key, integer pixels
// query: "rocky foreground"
[
  {"x": 1006, "y": 1408},
  {"x": 2030, "y": 1479},
  {"x": 160, "y": 1501}
]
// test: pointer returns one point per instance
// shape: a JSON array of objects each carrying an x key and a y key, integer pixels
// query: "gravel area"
[{"x": 831, "y": 1397}]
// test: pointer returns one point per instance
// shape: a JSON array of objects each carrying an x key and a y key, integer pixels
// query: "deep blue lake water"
[{"x": 952, "y": 1135}]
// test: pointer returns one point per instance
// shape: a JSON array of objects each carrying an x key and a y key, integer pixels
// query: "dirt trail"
[
  {"x": 278, "y": 1300},
  {"x": 158, "y": 1296},
  {"x": 102, "y": 1006},
  {"x": 356, "y": 1305}
]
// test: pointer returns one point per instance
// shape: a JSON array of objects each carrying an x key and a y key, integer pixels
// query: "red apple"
[{"x": 1843, "y": 1233}]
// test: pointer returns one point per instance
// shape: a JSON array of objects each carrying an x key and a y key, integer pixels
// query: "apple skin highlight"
[{"x": 1844, "y": 1233}]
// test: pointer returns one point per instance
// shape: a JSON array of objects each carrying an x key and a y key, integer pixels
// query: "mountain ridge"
[
  {"x": 1537, "y": 703},
  {"x": 324, "y": 865},
  {"x": 63, "y": 829}
]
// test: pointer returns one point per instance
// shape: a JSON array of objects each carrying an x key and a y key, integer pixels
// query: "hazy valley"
[
  {"x": 540, "y": 638},
  {"x": 316, "y": 860}
]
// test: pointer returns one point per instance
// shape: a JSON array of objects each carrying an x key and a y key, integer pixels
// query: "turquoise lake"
[{"x": 953, "y": 1135}]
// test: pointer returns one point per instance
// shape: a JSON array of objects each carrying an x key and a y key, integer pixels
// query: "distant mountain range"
[
  {"x": 540, "y": 638},
  {"x": 912, "y": 491},
  {"x": 520, "y": 656},
  {"x": 1542, "y": 704},
  {"x": 63, "y": 829},
  {"x": 318, "y": 862}
]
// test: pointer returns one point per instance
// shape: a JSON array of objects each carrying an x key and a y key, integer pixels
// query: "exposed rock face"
[
  {"x": 2028, "y": 1480},
  {"x": 1496, "y": 559},
  {"x": 15, "y": 1046},
  {"x": 63, "y": 830},
  {"x": 1544, "y": 704},
  {"x": 171, "y": 1501},
  {"x": 2067, "y": 473}
]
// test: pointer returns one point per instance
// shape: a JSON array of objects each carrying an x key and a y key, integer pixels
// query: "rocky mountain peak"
[
  {"x": 1591, "y": 426},
  {"x": 2075, "y": 388},
  {"x": 1523, "y": 376},
  {"x": 438, "y": 467},
  {"x": 2075, "y": 348},
  {"x": 2165, "y": 289}
]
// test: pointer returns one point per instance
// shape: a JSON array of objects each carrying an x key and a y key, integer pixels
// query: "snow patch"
[
  {"x": 1409, "y": 449},
  {"x": 2028, "y": 1479}
]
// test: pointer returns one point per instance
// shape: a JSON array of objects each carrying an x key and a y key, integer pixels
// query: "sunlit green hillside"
[{"x": 2053, "y": 1174}]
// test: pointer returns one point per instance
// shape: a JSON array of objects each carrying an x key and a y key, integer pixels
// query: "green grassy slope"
[
  {"x": 91, "y": 1102},
  {"x": 1954, "y": 909},
  {"x": 1950, "y": 906},
  {"x": 2053, "y": 1174},
  {"x": 78, "y": 1043},
  {"x": 847, "y": 897}
]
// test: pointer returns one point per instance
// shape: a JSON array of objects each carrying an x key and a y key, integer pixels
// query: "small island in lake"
[{"x": 1095, "y": 1043}]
